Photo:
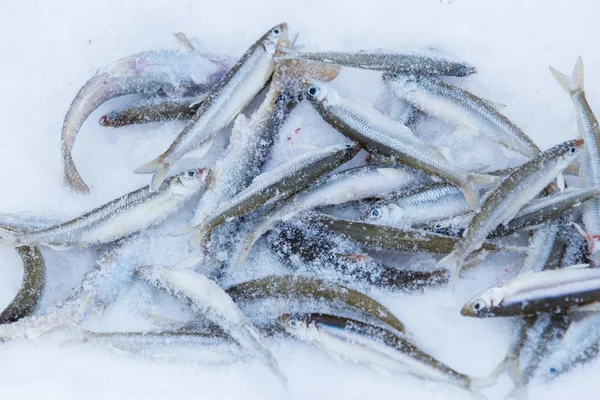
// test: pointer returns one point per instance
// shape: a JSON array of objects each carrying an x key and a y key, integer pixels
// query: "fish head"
[
  {"x": 377, "y": 212},
  {"x": 483, "y": 305},
  {"x": 191, "y": 181},
  {"x": 295, "y": 324},
  {"x": 570, "y": 151},
  {"x": 276, "y": 38},
  {"x": 593, "y": 242},
  {"x": 320, "y": 92},
  {"x": 399, "y": 81}
]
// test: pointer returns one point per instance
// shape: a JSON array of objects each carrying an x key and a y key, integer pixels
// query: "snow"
[{"x": 51, "y": 49}]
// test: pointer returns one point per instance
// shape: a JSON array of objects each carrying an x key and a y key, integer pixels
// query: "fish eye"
[
  {"x": 276, "y": 31},
  {"x": 191, "y": 173},
  {"x": 572, "y": 150},
  {"x": 313, "y": 91},
  {"x": 438, "y": 226},
  {"x": 478, "y": 306},
  {"x": 553, "y": 371},
  {"x": 293, "y": 323},
  {"x": 375, "y": 213}
]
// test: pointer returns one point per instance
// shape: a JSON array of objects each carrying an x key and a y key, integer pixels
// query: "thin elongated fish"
[
  {"x": 545, "y": 291},
  {"x": 320, "y": 254},
  {"x": 295, "y": 287},
  {"x": 350, "y": 185},
  {"x": 458, "y": 106},
  {"x": 380, "y": 134},
  {"x": 505, "y": 200},
  {"x": 121, "y": 217},
  {"x": 589, "y": 131},
  {"x": 277, "y": 184},
  {"x": 223, "y": 103},
  {"x": 154, "y": 109},
  {"x": 26, "y": 300},
  {"x": 420, "y": 206},
  {"x": 417, "y": 64},
  {"x": 212, "y": 301},
  {"x": 376, "y": 347},
  {"x": 175, "y": 73},
  {"x": 392, "y": 238}
]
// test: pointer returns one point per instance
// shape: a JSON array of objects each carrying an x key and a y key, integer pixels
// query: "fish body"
[
  {"x": 507, "y": 198},
  {"x": 545, "y": 291},
  {"x": 389, "y": 61},
  {"x": 26, "y": 300},
  {"x": 350, "y": 185},
  {"x": 119, "y": 218},
  {"x": 277, "y": 184},
  {"x": 460, "y": 107},
  {"x": 380, "y": 134},
  {"x": 154, "y": 109},
  {"x": 213, "y": 302},
  {"x": 371, "y": 345},
  {"x": 222, "y": 104},
  {"x": 174, "y": 73},
  {"x": 589, "y": 131}
]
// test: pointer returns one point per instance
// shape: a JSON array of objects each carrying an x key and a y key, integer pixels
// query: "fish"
[
  {"x": 546, "y": 291},
  {"x": 393, "y": 238},
  {"x": 422, "y": 205},
  {"x": 379, "y": 134},
  {"x": 350, "y": 185},
  {"x": 460, "y": 107},
  {"x": 377, "y": 347},
  {"x": 116, "y": 219},
  {"x": 210, "y": 300},
  {"x": 26, "y": 301},
  {"x": 222, "y": 104},
  {"x": 276, "y": 184},
  {"x": 589, "y": 131},
  {"x": 321, "y": 253},
  {"x": 294, "y": 287},
  {"x": 417, "y": 64},
  {"x": 154, "y": 109},
  {"x": 505, "y": 200},
  {"x": 169, "y": 72}
]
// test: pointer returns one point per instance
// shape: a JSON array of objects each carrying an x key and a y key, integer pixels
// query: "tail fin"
[
  {"x": 453, "y": 263},
  {"x": 471, "y": 195},
  {"x": 8, "y": 237},
  {"x": 571, "y": 84},
  {"x": 200, "y": 237},
  {"x": 245, "y": 250},
  {"x": 158, "y": 167},
  {"x": 72, "y": 178},
  {"x": 254, "y": 235},
  {"x": 477, "y": 383}
]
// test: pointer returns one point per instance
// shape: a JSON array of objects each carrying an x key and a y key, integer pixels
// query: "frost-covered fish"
[
  {"x": 295, "y": 287},
  {"x": 393, "y": 238},
  {"x": 376, "y": 347},
  {"x": 545, "y": 291},
  {"x": 380, "y": 134},
  {"x": 350, "y": 185},
  {"x": 277, "y": 184},
  {"x": 589, "y": 130},
  {"x": 505, "y": 200},
  {"x": 121, "y": 217},
  {"x": 154, "y": 109},
  {"x": 460, "y": 107},
  {"x": 222, "y": 104},
  {"x": 26, "y": 300},
  {"x": 417, "y": 64},
  {"x": 175, "y": 73},
  {"x": 420, "y": 206},
  {"x": 214, "y": 303},
  {"x": 321, "y": 254}
]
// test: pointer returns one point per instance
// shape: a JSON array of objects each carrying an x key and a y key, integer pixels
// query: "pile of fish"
[{"x": 333, "y": 217}]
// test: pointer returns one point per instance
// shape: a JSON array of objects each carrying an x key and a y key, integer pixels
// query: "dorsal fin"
[{"x": 183, "y": 40}]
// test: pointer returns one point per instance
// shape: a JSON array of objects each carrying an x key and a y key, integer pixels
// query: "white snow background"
[{"x": 50, "y": 49}]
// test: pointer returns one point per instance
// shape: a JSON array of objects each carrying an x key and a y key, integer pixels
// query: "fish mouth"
[
  {"x": 206, "y": 173},
  {"x": 283, "y": 319},
  {"x": 579, "y": 142}
]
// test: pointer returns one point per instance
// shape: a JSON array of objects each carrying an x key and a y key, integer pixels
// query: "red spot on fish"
[
  {"x": 289, "y": 138},
  {"x": 297, "y": 130},
  {"x": 368, "y": 158},
  {"x": 506, "y": 270},
  {"x": 579, "y": 143},
  {"x": 104, "y": 120},
  {"x": 90, "y": 41}
]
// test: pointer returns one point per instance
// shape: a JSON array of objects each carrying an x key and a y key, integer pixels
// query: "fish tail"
[
  {"x": 151, "y": 166},
  {"x": 199, "y": 237},
  {"x": 72, "y": 178},
  {"x": 571, "y": 84},
  {"x": 245, "y": 251},
  {"x": 158, "y": 167},
  {"x": 471, "y": 194},
  {"x": 474, "y": 384},
  {"x": 452, "y": 262},
  {"x": 8, "y": 237}
]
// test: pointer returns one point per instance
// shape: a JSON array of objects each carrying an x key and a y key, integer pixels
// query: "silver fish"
[
  {"x": 378, "y": 133},
  {"x": 214, "y": 303},
  {"x": 26, "y": 300},
  {"x": 174, "y": 73},
  {"x": 222, "y": 104},
  {"x": 505, "y": 200},
  {"x": 376, "y": 347},
  {"x": 589, "y": 130},
  {"x": 119, "y": 218},
  {"x": 153, "y": 109},
  {"x": 277, "y": 184},
  {"x": 457, "y": 106},
  {"x": 418, "y": 64},
  {"x": 545, "y": 291},
  {"x": 350, "y": 185}
]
